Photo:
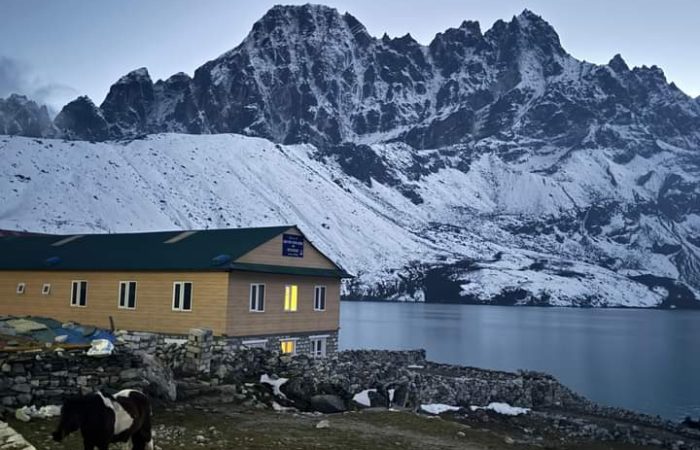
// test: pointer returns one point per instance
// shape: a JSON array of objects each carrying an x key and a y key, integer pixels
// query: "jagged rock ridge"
[
  {"x": 309, "y": 74},
  {"x": 23, "y": 117},
  {"x": 518, "y": 174}
]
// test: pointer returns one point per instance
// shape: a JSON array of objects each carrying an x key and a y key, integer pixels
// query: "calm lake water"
[{"x": 644, "y": 360}]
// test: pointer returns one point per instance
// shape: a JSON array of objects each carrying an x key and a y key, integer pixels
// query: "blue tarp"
[{"x": 75, "y": 333}]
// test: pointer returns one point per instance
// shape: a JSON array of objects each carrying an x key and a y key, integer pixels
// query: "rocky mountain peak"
[
  {"x": 140, "y": 75},
  {"x": 358, "y": 30},
  {"x": 542, "y": 166},
  {"x": 21, "y": 116},
  {"x": 295, "y": 22},
  {"x": 81, "y": 119},
  {"x": 618, "y": 64},
  {"x": 653, "y": 73},
  {"x": 471, "y": 27},
  {"x": 525, "y": 32},
  {"x": 128, "y": 103},
  {"x": 180, "y": 77},
  {"x": 307, "y": 74}
]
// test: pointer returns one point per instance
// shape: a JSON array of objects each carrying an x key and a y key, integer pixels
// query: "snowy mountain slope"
[
  {"x": 484, "y": 167},
  {"x": 470, "y": 239},
  {"x": 180, "y": 181}
]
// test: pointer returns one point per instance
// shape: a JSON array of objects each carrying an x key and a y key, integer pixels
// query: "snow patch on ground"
[
  {"x": 438, "y": 408},
  {"x": 502, "y": 408},
  {"x": 26, "y": 413}
]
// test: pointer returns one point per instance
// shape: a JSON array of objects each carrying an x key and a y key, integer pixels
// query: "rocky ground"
[
  {"x": 219, "y": 427},
  {"x": 10, "y": 439},
  {"x": 256, "y": 399}
]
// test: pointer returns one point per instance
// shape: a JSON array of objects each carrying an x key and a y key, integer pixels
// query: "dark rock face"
[
  {"x": 23, "y": 117},
  {"x": 128, "y": 104},
  {"x": 81, "y": 119},
  {"x": 307, "y": 74}
]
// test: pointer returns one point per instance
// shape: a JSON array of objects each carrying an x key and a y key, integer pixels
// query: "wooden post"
[{"x": 111, "y": 324}]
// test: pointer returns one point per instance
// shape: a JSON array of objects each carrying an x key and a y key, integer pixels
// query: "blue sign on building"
[{"x": 292, "y": 245}]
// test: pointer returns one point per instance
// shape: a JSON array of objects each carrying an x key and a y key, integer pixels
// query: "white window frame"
[
  {"x": 250, "y": 297},
  {"x": 294, "y": 341},
  {"x": 255, "y": 343},
  {"x": 125, "y": 285},
  {"x": 182, "y": 296},
  {"x": 46, "y": 289},
  {"x": 78, "y": 293},
  {"x": 21, "y": 288},
  {"x": 325, "y": 292},
  {"x": 324, "y": 345}
]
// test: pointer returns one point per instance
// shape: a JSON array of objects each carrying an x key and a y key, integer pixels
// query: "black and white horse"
[{"x": 104, "y": 418}]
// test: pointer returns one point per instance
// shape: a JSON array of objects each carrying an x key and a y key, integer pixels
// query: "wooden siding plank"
[
  {"x": 154, "y": 293},
  {"x": 275, "y": 320}
]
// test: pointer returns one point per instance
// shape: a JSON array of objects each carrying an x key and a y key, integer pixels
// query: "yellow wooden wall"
[
  {"x": 271, "y": 253},
  {"x": 153, "y": 299},
  {"x": 275, "y": 320}
]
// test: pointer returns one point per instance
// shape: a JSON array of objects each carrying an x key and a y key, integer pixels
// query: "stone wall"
[
  {"x": 46, "y": 377},
  {"x": 397, "y": 378},
  {"x": 198, "y": 351},
  {"x": 225, "y": 345},
  {"x": 147, "y": 342},
  {"x": 183, "y": 353}
]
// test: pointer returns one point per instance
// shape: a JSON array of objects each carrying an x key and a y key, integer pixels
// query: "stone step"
[{"x": 12, "y": 440}]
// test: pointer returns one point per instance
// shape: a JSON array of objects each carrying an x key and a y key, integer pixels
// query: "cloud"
[
  {"x": 11, "y": 79},
  {"x": 18, "y": 77}
]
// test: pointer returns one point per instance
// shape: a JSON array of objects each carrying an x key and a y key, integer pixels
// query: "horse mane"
[{"x": 76, "y": 401}]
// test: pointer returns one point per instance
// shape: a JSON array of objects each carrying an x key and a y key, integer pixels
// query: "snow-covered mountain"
[
  {"x": 484, "y": 167},
  {"x": 594, "y": 232},
  {"x": 23, "y": 117}
]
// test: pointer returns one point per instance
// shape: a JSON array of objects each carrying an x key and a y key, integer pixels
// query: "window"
[
  {"x": 290, "y": 298},
  {"x": 182, "y": 296},
  {"x": 320, "y": 298},
  {"x": 318, "y": 347},
  {"x": 257, "y": 297},
  {"x": 288, "y": 346},
  {"x": 78, "y": 294},
  {"x": 127, "y": 294},
  {"x": 256, "y": 343},
  {"x": 46, "y": 289},
  {"x": 21, "y": 288}
]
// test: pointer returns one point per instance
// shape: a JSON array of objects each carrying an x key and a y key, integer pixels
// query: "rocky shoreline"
[
  {"x": 349, "y": 382},
  {"x": 406, "y": 380}
]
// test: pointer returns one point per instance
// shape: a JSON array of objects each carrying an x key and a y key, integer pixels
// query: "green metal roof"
[
  {"x": 187, "y": 250},
  {"x": 289, "y": 270}
]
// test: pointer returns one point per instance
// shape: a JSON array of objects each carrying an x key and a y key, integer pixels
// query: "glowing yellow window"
[
  {"x": 290, "y": 298},
  {"x": 288, "y": 347}
]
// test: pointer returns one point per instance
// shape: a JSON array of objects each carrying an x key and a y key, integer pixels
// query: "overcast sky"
[{"x": 56, "y": 50}]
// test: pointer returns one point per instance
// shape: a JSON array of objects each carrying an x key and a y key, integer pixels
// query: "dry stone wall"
[{"x": 46, "y": 377}]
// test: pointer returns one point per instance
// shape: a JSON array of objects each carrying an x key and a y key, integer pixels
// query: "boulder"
[
  {"x": 327, "y": 404},
  {"x": 378, "y": 399},
  {"x": 299, "y": 390},
  {"x": 160, "y": 378}
]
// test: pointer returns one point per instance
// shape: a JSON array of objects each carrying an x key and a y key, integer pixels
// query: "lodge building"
[{"x": 266, "y": 287}]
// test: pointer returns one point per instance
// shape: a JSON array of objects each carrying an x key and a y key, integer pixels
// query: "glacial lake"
[{"x": 644, "y": 360}]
